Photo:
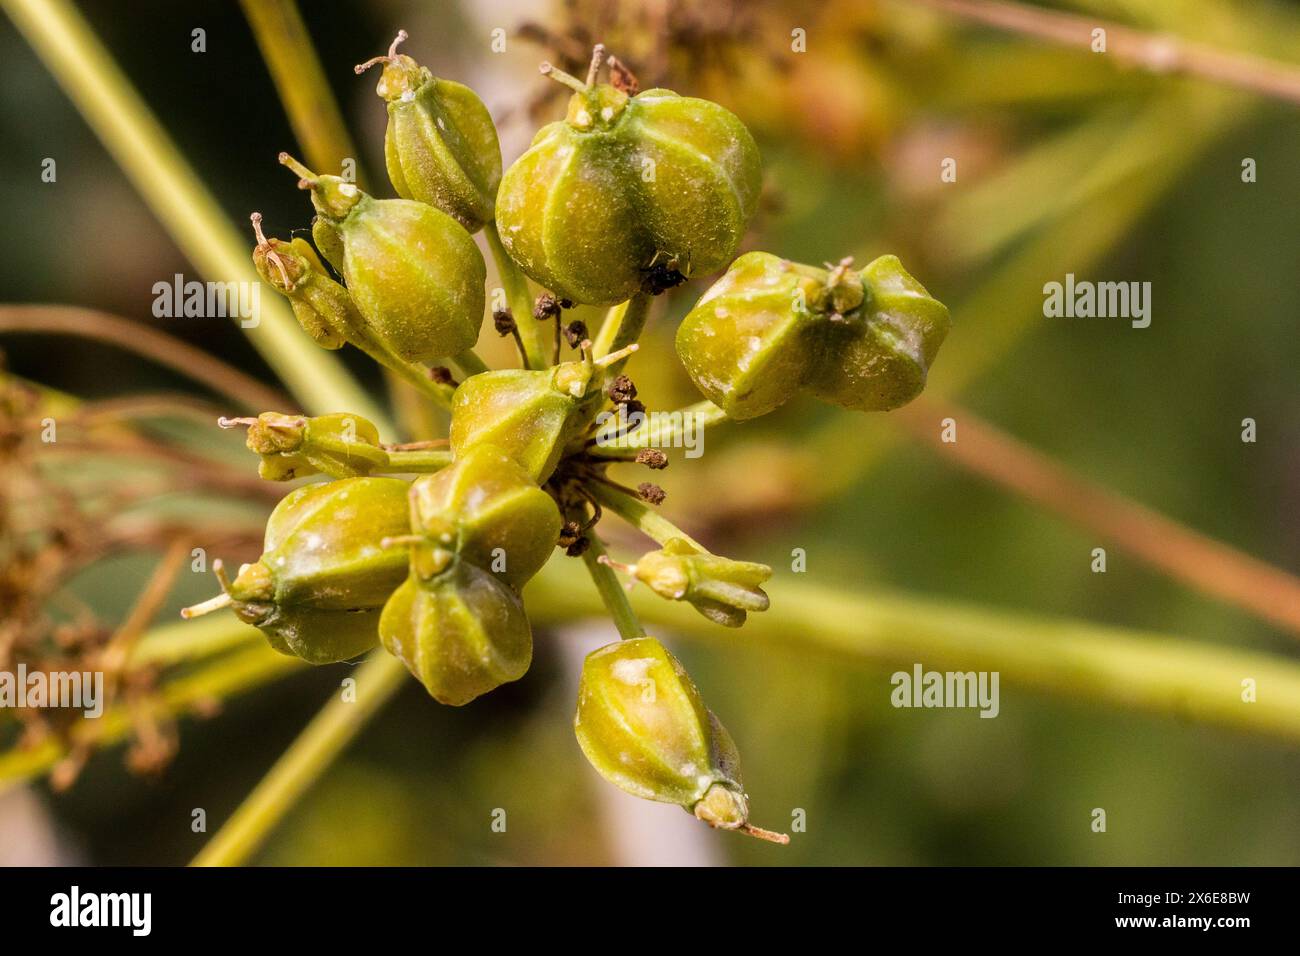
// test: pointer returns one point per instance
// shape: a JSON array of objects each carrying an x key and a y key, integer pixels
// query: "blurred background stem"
[{"x": 144, "y": 151}]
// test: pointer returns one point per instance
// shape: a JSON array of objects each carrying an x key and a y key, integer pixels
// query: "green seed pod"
[
  {"x": 769, "y": 327},
  {"x": 489, "y": 511},
  {"x": 461, "y": 631},
  {"x": 722, "y": 590},
  {"x": 642, "y": 725},
  {"x": 413, "y": 272},
  {"x": 878, "y": 358},
  {"x": 317, "y": 590},
  {"x": 531, "y": 415},
  {"x": 625, "y": 185},
  {"x": 322, "y": 306},
  {"x": 341, "y": 445},
  {"x": 749, "y": 343},
  {"x": 441, "y": 145}
]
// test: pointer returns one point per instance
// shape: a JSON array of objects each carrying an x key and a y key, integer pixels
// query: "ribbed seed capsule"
[
  {"x": 642, "y": 725},
  {"x": 721, "y": 589},
  {"x": 413, "y": 272},
  {"x": 769, "y": 327},
  {"x": 625, "y": 185},
  {"x": 531, "y": 415},
  {"x": 481, "y": 528},
  {"x": 441, "y": 145},
  {"x": 340, "y": 445},
  {"x": 317, "y": 590}
]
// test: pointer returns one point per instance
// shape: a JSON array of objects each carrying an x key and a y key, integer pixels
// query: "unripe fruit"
[
  {"x": 642, "y": 725},
  {"x": 480, "y": 529},
  {"x": 770, "y": 327},
  {"x": 627, "y": 184},
  {"x": 490, "y": 512},
  {"x": 323, "y": 576},
  {"x": 441, "y": 145},
  {"x": 530, "y": 415},
  {"x": 415, "y": 274}
]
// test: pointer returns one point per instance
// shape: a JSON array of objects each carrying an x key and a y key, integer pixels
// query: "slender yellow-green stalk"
[
  {"x": 300, "y": 80},
  {"x": 303, "y": 763},
  {"x": 143, "y": 150},
  {"x": 515, "y": 285},
  {"x": 611, "y": 591}
]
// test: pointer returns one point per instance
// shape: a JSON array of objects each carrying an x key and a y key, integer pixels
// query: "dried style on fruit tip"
[
  {"x": 317, "y": 590},
  {"x": 628, "y": 193},
  {"x": 414, "y": 273},
  {"x": 721, "y": 589},
  {"x": 441, "y": 145},
  {"x": 340, "y": 445},
  {"x": 769, "y": 328},
  {"x": 642, "y": 725},
  {"x": 322, "y": 307},
  {"x": 480, "y": 529},
  {"x": 531, "y": 415}
]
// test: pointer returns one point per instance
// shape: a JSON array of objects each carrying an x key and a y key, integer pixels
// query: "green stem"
[
  {"x": 608, "y": 329},
  {"x": 1067, "y": 659},
  {"x": 300, "y": 80},
  {"x": 332, "y": 729},
  {"x": 667, "y": 433},
  {"x": 469, "y": 363},
  {"x": 130, "y": 132},
  {"x": 611, "y": 590},
  {"x": 515, "y": 284},
  {"x": 630, "y": 325},
  {"x": 640, "y": 515},
  {"x": 418, "y": 462}
]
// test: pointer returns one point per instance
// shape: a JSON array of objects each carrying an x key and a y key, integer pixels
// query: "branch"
[{"x": 1157, "y": 53}]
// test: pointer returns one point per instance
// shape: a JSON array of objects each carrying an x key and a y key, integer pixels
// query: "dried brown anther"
[
  {"x": 652, "y": 458},
  {"x": 442, "y": 375},
  {"x": 546, "y": 307},
  {"x": 621, "y": 390},
  {"x": 503, "y": 320},
  {"x": 648, "y": 491}
]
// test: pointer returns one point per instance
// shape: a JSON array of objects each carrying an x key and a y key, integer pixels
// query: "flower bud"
[
  {"x": 340, "y": 445},
  {"x": 642, "y": 725},
  {"x": 441, "y": 145},
  {"x": 413, "y": 272},
  {"x": 321, "y": 306},
  {"x": 719, "y": 588},
  {"x": 317, "y": 590},
  {"x": 769, "y": 327},
  {"x": 627, "y": 190}
]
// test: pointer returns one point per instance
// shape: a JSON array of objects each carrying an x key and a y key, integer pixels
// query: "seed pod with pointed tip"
[
  {"x": 488, "y": 510},
  {"x": 531, "y": 415},
  {"x": 461, "y": 632},
  {"x": 317, "y": 590},
  {"x": 627, "y": 185},
  {"x": 642, "y": 725},
  {"x": 769, "y": 328},
  {"x": 413, "y": 272},
  {"x": 340, "y": 445},
  {"x": 441, "y": 145},
  {"x": 719, "y": 588},
  {"x": 749, "y": 343},
  {"x": 878, "y": 358}
]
